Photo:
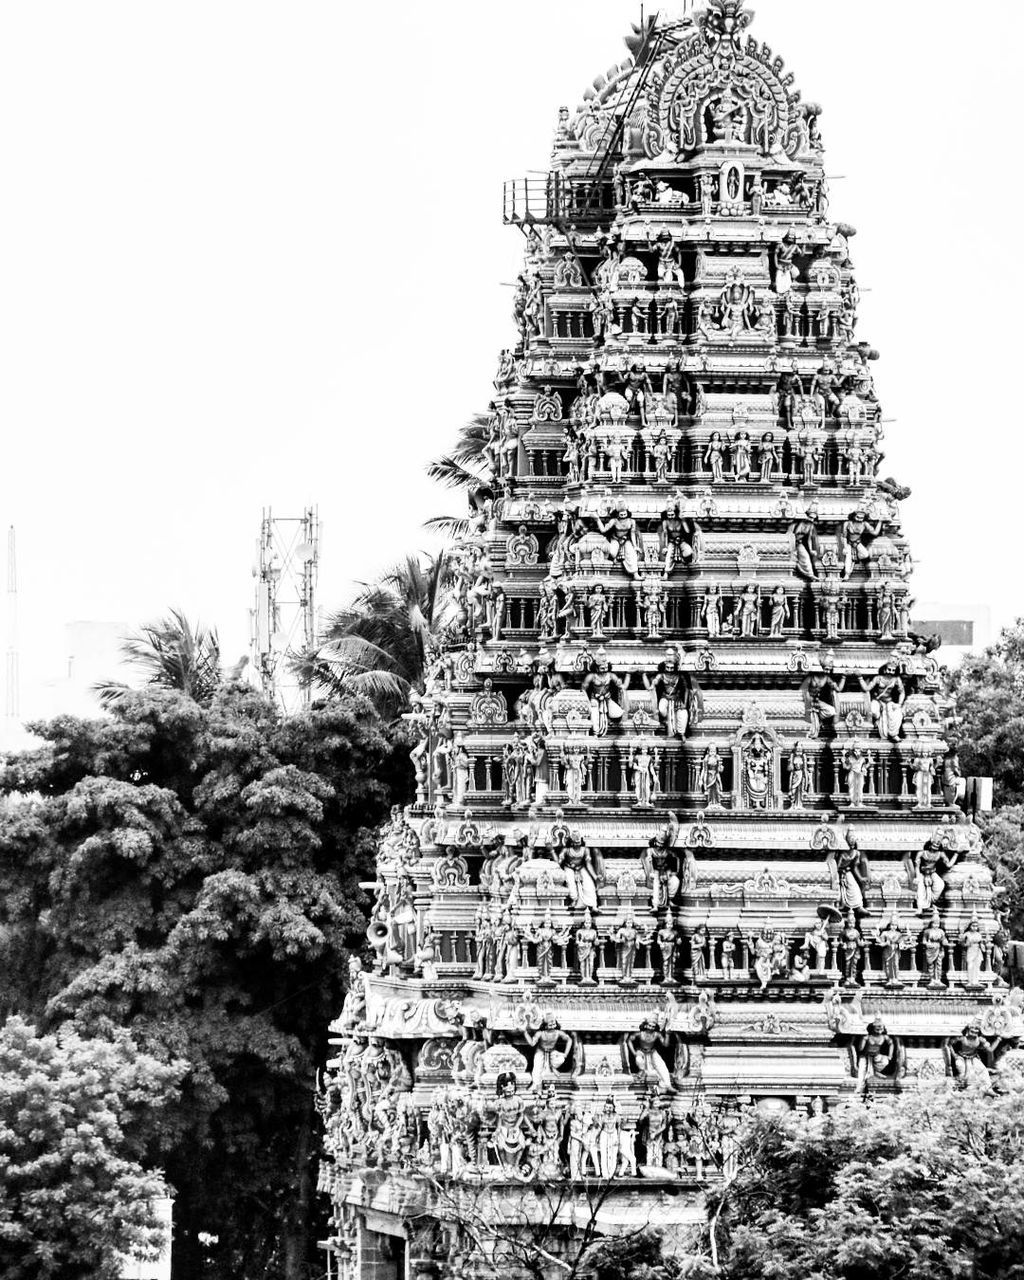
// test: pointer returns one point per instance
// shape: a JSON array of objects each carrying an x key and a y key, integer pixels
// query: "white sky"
[{"x": 251, "y": 254}]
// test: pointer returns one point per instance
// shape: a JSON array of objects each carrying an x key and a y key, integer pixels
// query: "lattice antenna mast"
[
  {"x": 12, "y": 705},
  {"x": 284, "y": 616}
]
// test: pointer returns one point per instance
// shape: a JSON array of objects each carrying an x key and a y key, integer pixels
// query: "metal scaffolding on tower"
[
  {"x": 284, "y": 616},
  {"x": 12, "y": 702}
]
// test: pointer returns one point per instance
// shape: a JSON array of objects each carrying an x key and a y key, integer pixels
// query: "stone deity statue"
[
  {"x": 851, "y": 943},
  {"x": 586, "y": 949},
  {"x": 627, "y": 937},
  {"x": 667, "y": 939},
  {"x": 973, "y": 944},
  {"x": 545, "y": 938},
  {"x": 857, "y": 763},
  {"x": 606, "y": 694},
  {"x": 676, "y": 697},
  {"x": 709, "y": 778},
  {"x": 926, "y": 873},
  {"x": 642, "y": 1053},
  {"x": 551, "y": 1048},
  {"x": 934, "y": 942},
  {"x": 643, "y": 765}
]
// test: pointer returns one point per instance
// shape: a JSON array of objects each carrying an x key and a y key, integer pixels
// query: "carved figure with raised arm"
[
  {"x": 821, "y": 691},
  {"x": 546, "y": 937},
  {"x": 606, "y": 694},
  {"x": 850, "y": 873},
  {"x": 623, "y": 540},
  {"x": 971, "y": 1057},
  {"x": 678, "y": 539},
  {"x": 856, "y": 540},
  {"x": 552, "y": 1047},
  {"x": 643, "y": 1050},
  {"x": 886, "y": 696},
  {"x": 585, "y": 872},
  {"x": 926, "y": 873},
  {"x": 880, "y": 1056},
  {"x": 677, "y": 697}
]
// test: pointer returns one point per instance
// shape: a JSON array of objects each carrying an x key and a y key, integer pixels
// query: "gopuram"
[{"x": 688, "y": 834}]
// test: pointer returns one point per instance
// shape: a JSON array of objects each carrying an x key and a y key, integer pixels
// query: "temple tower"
[{"x": 686, "y": 836}]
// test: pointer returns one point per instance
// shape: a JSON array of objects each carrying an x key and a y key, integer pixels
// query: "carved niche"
[
  {"x": 710, "y": 93},
  {"x": 756, "y": 763}
]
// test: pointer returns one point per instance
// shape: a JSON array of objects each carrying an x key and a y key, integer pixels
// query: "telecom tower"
[
  {"x": 284, "y": 619},
  {"x": 12, "y": 703}
]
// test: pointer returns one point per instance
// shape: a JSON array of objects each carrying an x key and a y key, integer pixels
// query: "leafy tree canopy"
[
  {"x": 645, "y": 1256},
  {"x": 1004, "y": 850},
  {"x": 74, "y": 1116},
  {"x": 924, "y": 1186},
  {"x": 190, "y": 872},
  {"x": 989, "y": 689}
]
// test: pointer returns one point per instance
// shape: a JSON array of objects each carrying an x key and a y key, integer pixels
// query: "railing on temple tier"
[{"x": 554, "y": 198}]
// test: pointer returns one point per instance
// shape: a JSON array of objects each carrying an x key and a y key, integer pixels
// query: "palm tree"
[
  {"x": 463, "y": 469},
  {"x": 381, "y": 644},
  {"x": 172, "y": 653}
]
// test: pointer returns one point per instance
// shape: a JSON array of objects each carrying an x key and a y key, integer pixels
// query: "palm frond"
[
  {"x": 381, "y": 687},
  {"x": 472, "y": 440},
  {"x": 453, "y": 474},
  {"x": 451, "y": 526},
  {"x": 171, "y": 653},
  {"x": 110, "y": 693},
  {"x": 313, "y": 673},
  {"x": 353, "y": 655},
  {"x": 378, "y": 645}
]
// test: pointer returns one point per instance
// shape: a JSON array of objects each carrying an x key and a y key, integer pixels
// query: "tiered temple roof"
[{"x": 688, "y": 836}]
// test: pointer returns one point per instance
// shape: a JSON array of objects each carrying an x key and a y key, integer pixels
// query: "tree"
[
  {"x": 379, "y": 647},
  {"x": 172, "y": 653},
  {"x": 74, "y": 1120},
  {"x": 191, "y": 873},
  {"x": 565, "y": 1236},
  {"x": 645, "y": 1256},
  {"x": 924, "y": 1186},
  {"x": 1004, "y": 852},
  {"x": 464, "y": 468},
  {"x": 989, "y": 691}
]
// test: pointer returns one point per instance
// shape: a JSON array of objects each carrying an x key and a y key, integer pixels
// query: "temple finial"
[{"x": 724, "y": 21}]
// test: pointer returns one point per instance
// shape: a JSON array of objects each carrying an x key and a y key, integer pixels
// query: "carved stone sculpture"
[
  {"x": 677, "y": 697},
  {"x": 644, "y": 1053},
  {"x": 709, "y": 778},
  {"x": 586, "y": 949},
  {"x": 606, "y": 693},
  {"x": 880, "y": 1057},
  {"x": 627, "y": 937},
  {"x": 934, "y": 944}
]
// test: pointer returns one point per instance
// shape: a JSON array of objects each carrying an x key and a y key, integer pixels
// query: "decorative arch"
[{"x": 744, "y": 91}]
